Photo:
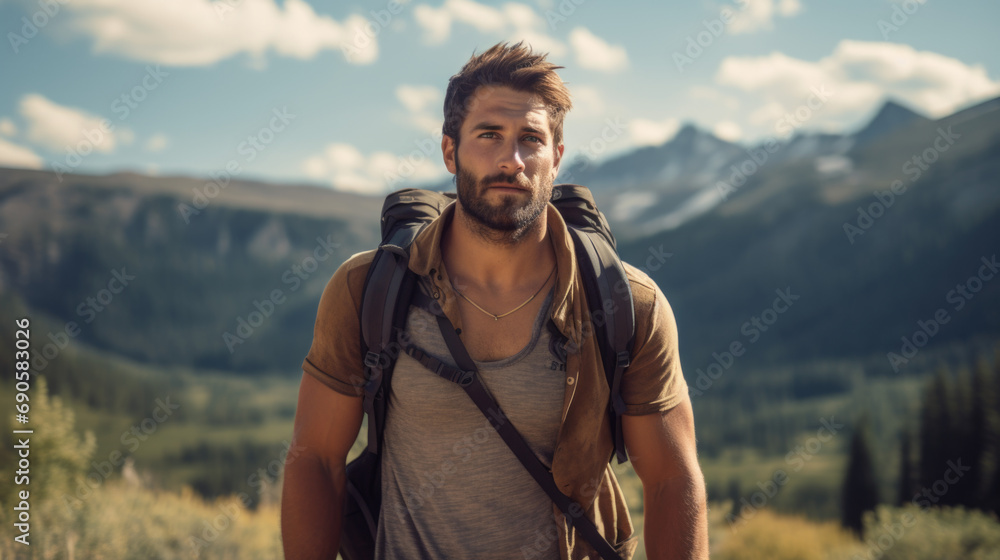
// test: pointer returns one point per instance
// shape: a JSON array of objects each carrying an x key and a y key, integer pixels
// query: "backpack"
[{"x": 389, "y": 289}]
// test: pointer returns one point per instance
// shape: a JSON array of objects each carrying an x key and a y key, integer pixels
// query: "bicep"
[
  {"x": 662, "y": 445},
  {"x": 326, "y": 422}
]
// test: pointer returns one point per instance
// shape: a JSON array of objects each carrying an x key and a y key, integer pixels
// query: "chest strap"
[{"x": 467, "y": 376}]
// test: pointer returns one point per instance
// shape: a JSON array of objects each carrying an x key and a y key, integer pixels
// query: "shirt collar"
[{"x": 425, "y": 256}]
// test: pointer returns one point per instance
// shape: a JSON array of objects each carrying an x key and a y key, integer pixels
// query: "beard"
[{"x": 511, "y": 219}]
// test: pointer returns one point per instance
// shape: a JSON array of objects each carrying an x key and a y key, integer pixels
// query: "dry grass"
[{"x": 767, "y": 536}]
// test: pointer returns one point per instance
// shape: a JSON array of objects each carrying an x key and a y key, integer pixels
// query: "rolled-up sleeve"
[
  {"x": 653, "y": 382},
  {"x": 335, "y": 355}
]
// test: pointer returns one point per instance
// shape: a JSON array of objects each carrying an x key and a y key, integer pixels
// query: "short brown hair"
[{"x": 514, "y": 66}]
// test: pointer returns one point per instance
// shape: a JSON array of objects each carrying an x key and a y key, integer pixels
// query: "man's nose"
[{"x": 510, "y": 161}]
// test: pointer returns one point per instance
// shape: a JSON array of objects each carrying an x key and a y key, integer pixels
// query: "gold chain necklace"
[{"x": 498, "y": 317}]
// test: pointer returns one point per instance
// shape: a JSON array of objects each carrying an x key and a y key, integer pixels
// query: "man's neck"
[{"x": 471, "y": 259}]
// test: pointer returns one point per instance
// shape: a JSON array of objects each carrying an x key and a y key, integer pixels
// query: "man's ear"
[
  {"x": 558, "y": 159},
  {"x": 448, "y": 152}
]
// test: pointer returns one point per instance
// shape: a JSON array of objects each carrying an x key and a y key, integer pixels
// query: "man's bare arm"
[
  {"x": 663, "y": 453},
  {"x": 312, "y": 500}
]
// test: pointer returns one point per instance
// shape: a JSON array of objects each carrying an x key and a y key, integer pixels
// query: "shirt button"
[{"x": 570, "y": 380}]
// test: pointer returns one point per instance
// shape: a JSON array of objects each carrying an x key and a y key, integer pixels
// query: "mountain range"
[
  {"x": 228, "y": 276},
  {"x": 658, "y": 188},
  {"x": 874, "y": 231}
]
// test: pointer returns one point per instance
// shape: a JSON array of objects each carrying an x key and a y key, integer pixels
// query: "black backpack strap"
[
  {"x": 466, "y": 375},
  {"x": 386, "y": 297},
  {"x": 609, "y": 294},
  {"x": 406, "y": 212},
  {"x": 383, "y": 308}
]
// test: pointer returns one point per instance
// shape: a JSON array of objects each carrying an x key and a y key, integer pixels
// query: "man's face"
[{"x": 505, "y": 161}]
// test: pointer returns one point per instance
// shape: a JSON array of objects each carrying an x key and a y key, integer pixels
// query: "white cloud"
[
  {"x": 203, "y": 32},
  {"x": 125, "y": 135},
  {"x": 315, "y": 167},
  {"x": 344, "y": 167},
  {"x": 157, "y": 143},
  {"x": 766, "y": 114},
  {"x": 728, "y": 131},
  {"x": 789, "y": 8},
  {"x": 7, "y": 127},
  {"x": 646, "y": 132},
  {"x": 436, "y": 23},
  {"x": 715, "y": 96},
  {"x": 424, "y": 105},
  {"x": 857, "y": 76},
  {"x": 12, "y": 155},
  {"x": 522, "y": 16},
  {"x": 514, "y": 21},
  {"x": 344, "y": 156},
  {"x": 540, "y": 42},
  {"x": 587, "y": 101},
  {"x": 57, "y": 127},
  {"x": 532, "y": 28},
  {"x": 758, "y": 15},
  {"x": 595, "y": 53},
  {"x": 485, "y": 19},
  {"x": 417, "y": 98}
]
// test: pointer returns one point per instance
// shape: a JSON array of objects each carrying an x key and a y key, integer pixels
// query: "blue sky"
[{"x": 349, "y": 95}]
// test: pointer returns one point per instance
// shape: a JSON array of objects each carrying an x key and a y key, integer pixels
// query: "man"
[{"x": 500, "y": 262}]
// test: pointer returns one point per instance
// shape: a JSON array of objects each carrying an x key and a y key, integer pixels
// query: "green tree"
[
  {"x": 59, "y": 456},
  {"x": 991, "y": 473},
  {"x": 964, "y": 440},
  {"x": 907, "y": 484},
  {"x": 734, "y": 496},
  {"x": 936, "y": 425},
  {"x": 982, "y": 435},
  {"x": 859, "y": 492},
  {"x": 59, "y": 459}
]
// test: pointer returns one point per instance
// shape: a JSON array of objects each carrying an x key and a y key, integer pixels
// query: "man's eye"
[
  {"x": 488, "y": 135},
  {"x": 533, "y": 139}
]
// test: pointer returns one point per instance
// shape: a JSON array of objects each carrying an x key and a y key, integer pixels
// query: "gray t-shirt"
[{"x": 451, "y": 488}]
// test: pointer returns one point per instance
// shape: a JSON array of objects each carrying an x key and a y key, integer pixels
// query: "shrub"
[
  {"x": 912, "y": 533},
  {"x": 767, "y": 536},
  {"x": 121, "y": 520}
]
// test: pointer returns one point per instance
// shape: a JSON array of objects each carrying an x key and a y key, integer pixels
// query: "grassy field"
[
  {"x": 127, "y": 516},
  {"x": 195, "y": 438}
]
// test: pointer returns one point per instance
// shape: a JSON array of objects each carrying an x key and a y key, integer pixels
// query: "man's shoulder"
[
  {"x": 356, "y": 261},
  {"x": 645, "y": 291},
  {"x": 638, "y": 276},
  {"x": 350, "y": 275},
  {"x": 650, "y": 304}
]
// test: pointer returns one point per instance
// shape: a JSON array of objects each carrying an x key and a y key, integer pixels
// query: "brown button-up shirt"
[{"x": 653, "y": 382}]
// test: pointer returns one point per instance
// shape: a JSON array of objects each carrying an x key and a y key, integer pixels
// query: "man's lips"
[{"x": 507, "y": 186}]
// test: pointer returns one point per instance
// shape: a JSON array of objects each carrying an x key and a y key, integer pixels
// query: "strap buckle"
[
  {"x": 463, "y": 378},
  {"x": 623, "y": 359},
  {"x": 372, "y": 359}
]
